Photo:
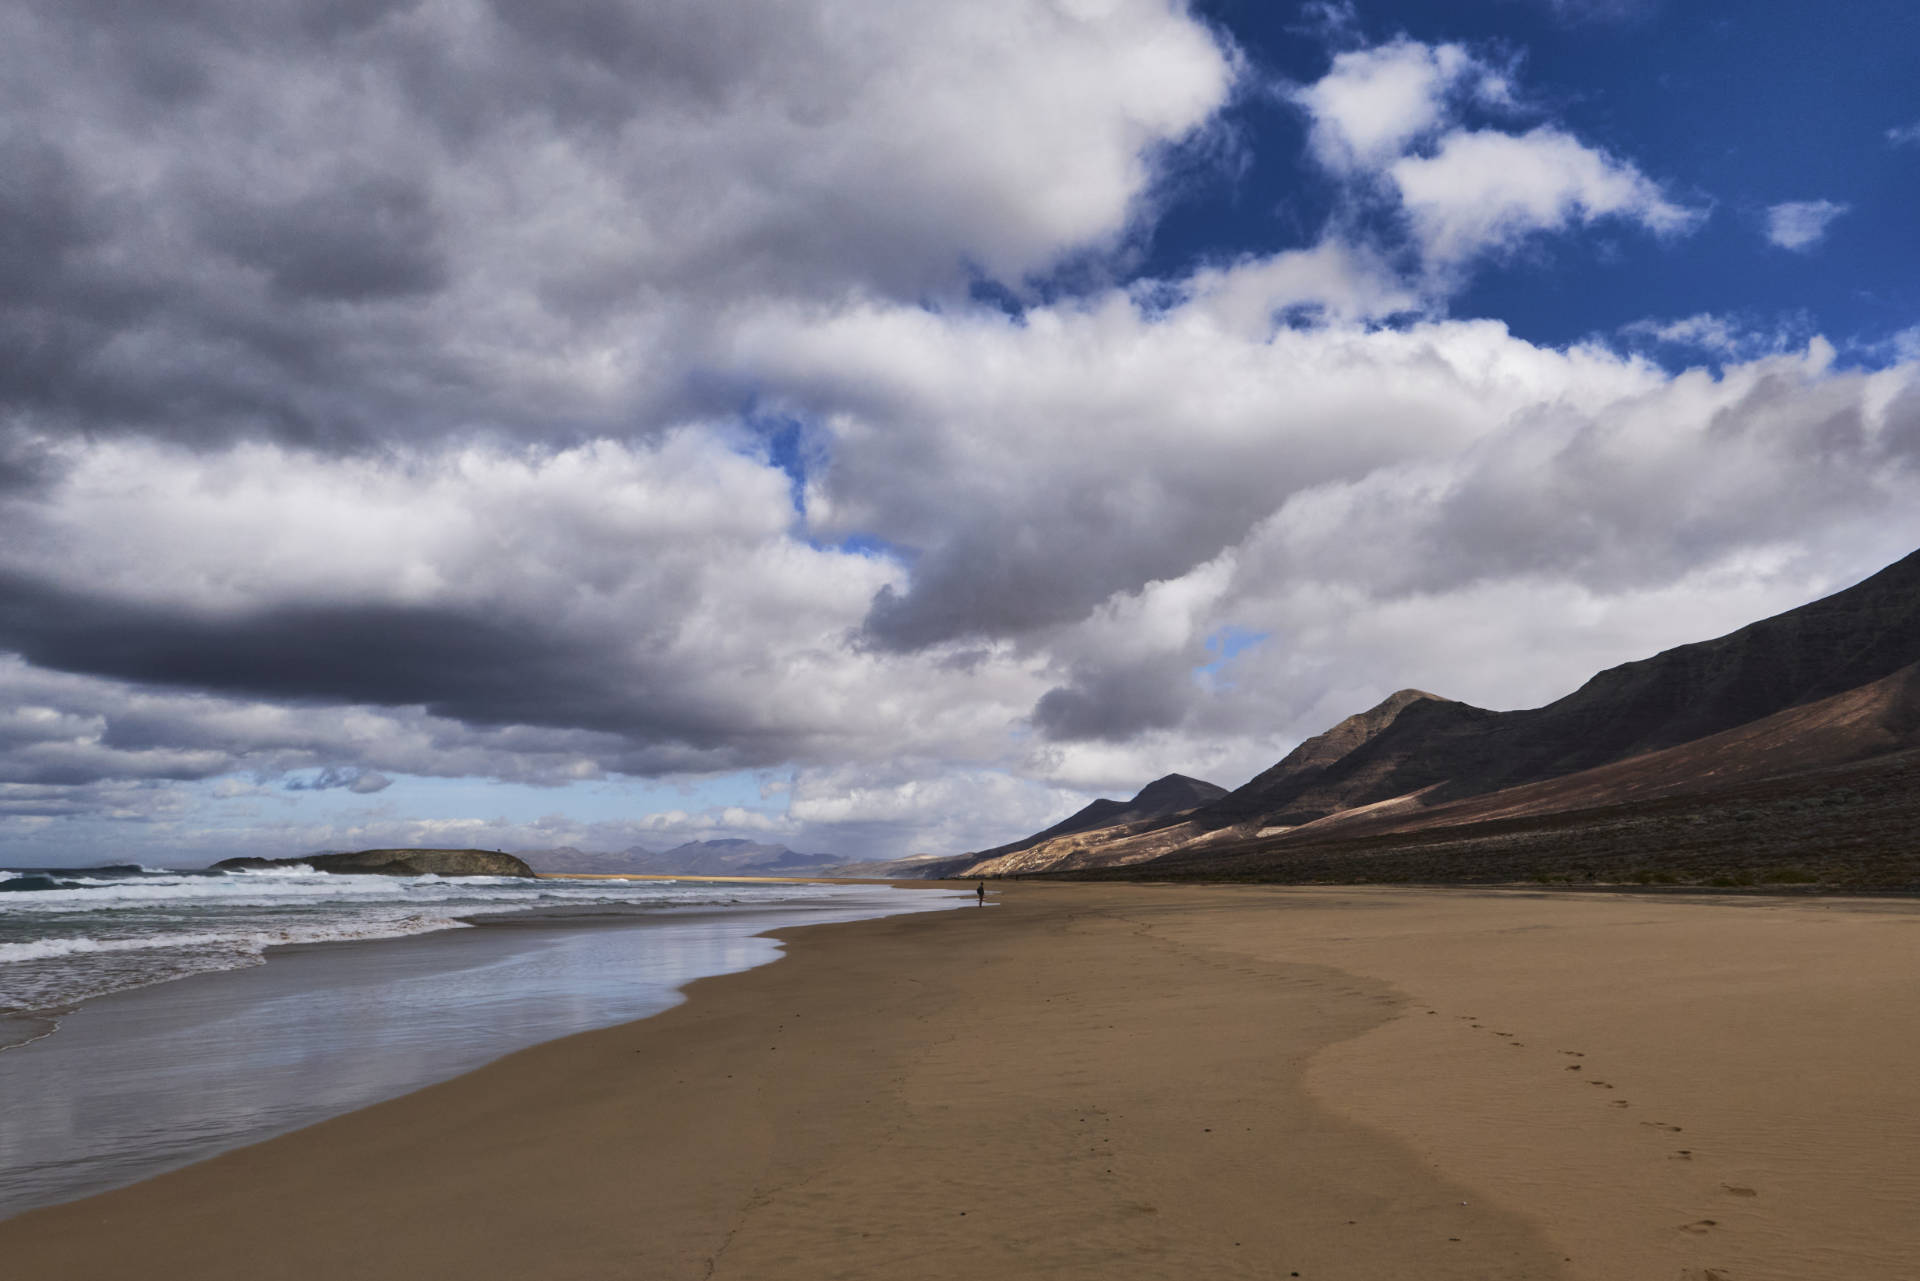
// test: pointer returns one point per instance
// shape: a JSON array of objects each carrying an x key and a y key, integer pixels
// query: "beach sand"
[{"x": 1142, "y": 1081}]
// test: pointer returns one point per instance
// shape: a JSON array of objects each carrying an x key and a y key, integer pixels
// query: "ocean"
[
  {"x": 153, "y": 1017},
  {"x": 66, "y": 934}
]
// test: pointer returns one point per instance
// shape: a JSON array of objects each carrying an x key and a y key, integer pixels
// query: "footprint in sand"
[
  {"x": 1684, "y": 1154},
  {"x": 1578, "y": 1054},
  {"x": 1661, "y": 1125},
  {"x": 1705, "y": 1274},
  {"x": 1700, "y": 1227},
  {"x": 1619, "y": 1103},
  {"x": 1734, "y": 1189}
]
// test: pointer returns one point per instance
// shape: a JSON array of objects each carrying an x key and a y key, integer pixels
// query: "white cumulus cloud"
[
  {"x": 1373, "y": 104},
  {"x": 1799, "y": 225},
  {"x": 1393, "y": 118},
  {"x": 1484, "y": 190}
]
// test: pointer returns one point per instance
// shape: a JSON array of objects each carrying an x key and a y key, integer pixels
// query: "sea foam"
[{"x": 69, "y": 934}]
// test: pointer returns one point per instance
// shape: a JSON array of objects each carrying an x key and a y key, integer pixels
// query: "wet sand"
[
  {"x": 139, "y": 1082},
  {"x": 1139, "y": 1081}
]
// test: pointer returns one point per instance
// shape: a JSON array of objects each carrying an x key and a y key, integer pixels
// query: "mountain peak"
[
  {"x": 1302, "y": 768},
  {"x": 1324, "y": 749},
  {"x": 1173, "y": 792},
  {"x": 1170, "y": 794}
]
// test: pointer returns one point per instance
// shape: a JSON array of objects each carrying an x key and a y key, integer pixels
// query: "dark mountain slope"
[
  {"x": 1447, "y": 750},
  {"x": 1292, "y": 791},
  {"x": 1162, "y": 798},
  {"x": 1847, "y": 826},
  {"x": 1862, "y": 724},
  {"x": 1841, "y": 642}
]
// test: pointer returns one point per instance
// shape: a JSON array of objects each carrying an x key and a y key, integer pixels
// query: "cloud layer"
[
  {"x": 459, "y": 390},
  {"x": 335, "y": 224}
]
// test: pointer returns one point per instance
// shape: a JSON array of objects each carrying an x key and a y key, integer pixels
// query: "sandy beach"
[{"x": 1142, "y": 1081}]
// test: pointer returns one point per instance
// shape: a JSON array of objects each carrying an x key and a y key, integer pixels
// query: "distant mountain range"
[
  {"x": 694, "y": 858},
  {"x": 1776, "y": 716}
]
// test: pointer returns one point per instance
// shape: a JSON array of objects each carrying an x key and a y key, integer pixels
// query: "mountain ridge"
[
  {"x": 1449, "y": 750},
  {"x": 1153, "y": 806},
  {"x": 1827, "y": 685}
]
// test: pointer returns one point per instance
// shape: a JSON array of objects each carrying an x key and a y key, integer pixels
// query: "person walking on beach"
[{"x": 980, "y": 893}]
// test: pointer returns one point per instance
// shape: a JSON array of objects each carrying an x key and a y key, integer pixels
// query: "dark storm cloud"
[
  {"x": 43, "y": 214},
  {"x": 457, "y": 664},
  {"x": 1015, "y": 564},
  {"x": 54, "y": 311},
  {"x": 128, "y": 26},
  {"x": 355, "y": 237},
  {"x": 1029, "y": 575},
  {"x": 25, "y": 465},
  {"x": 214, "y": 261},
  {"x": 94, "y": 337},
  {"x": 1116, "y": 704},
  {"x": 81, "y": 772},
  {"x": 1032, "y": 576},
  {"x": 680, "y": 49}
]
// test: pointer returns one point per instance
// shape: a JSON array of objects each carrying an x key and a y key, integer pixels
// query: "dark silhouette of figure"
[{"x": 980, "y": 893}]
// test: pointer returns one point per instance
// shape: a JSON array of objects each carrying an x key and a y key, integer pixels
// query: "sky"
[{"x": 881, "y": 428}]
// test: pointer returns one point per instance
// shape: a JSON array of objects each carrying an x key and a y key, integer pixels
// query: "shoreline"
[
  {"x": 39, "y": 1021},
  {"x": 133, "y": 1083},
  {"x": 1141, "y": 1081},
  {"x": 742, "y": 880}
]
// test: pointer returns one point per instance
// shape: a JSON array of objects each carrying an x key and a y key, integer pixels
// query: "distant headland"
[{"x": 398, "y": 863}]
